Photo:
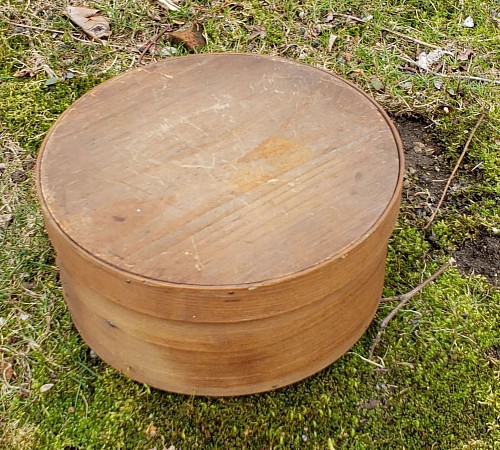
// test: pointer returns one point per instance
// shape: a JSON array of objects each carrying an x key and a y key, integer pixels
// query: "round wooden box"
[{"x": 221, "y": 220}]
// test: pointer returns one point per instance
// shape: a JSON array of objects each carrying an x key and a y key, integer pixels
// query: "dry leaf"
[
  {"x": 171, "y": 5},
  {"x": 4, "y": 220},
  {"x": 46, "y": 387},
  {"x": 465, "y": 54},
  {"x": 255, "y": 32},
  {"x": 151, "y": 430},
  {"x": 24, "y": 73},
  {"x": 192, "y": 38},
  {"x": 313, "y": 30},
  {"x": 90, "y": 21},
  {"x": 331, "y": 41},
  {"x": 426, "y": 60},
  {"x": 7, "y": 370},
  {"x": 345, "y": 57},
  {"x": 376, "y": 84},
  {"x": 329, "y": 17}
]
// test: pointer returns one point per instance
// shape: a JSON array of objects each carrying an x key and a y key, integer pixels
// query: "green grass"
[{"x": 432, "y": 386}]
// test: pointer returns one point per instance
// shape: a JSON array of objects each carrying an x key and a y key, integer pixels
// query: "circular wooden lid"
[{"x": 220, "y": 169}]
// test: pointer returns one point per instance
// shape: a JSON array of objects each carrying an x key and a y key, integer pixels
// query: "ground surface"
[
  {"x": 434, "y": 380},
  {"x": 481, "y": 256},
  {"x": 427, "y": 175}
]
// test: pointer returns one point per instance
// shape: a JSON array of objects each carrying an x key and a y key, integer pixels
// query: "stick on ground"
[
  {"x": 403, "y": 299},
  {"x": 424, "y": 44},
  {"x": 445, "y": 191},
  {"x": 31, "y": 27},
  {"x": 451, "y": 76},
  {"x": 150, "y": 44},
  {"x": 388, "y": 30}
]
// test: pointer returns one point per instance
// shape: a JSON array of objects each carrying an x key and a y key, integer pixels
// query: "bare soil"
[
  {"x": 481, "y": 256},
  {"x": 427, "y": 171}
]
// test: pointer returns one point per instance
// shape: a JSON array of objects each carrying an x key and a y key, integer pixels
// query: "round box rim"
[{"x": 393, "y": 198}]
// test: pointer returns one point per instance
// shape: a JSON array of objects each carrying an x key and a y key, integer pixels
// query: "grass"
[{"x": 434, "y": 386}]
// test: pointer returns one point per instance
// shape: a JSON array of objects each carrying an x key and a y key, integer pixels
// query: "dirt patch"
[
  {"x": 493, "y": 354},
  {"x": 481, "y": 256},
  {"x": 426, "y": 168},
  {"x": 427, "y": 171}
]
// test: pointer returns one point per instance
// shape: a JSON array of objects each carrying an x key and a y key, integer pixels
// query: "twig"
[
  {"x": 452, "y": 76},
  {"x": 31, "y": 27},
  {"x": 102, "y": 43},
  {"x": 389, "y": 299},
  {"x": 369, "y": 361},
  {"x": 409, "y": 38},
  {"x": 150, "y": 44},
  {"x": 403, "y": 299},
  {"x": 50, "y": 30},
  {"x": 466, "y": 146},
  {"x": 388, "y": 30},
  {"x": 469, "y": 77}
]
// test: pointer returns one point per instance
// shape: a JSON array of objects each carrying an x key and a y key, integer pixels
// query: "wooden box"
[{"x": 221, "y": 220}]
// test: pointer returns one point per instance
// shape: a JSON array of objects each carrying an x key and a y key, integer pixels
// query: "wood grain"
[{"x": 228, "y": 214}]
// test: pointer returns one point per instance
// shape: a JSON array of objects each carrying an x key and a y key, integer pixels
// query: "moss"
[
  {"x": 436, "y": 375},
  {"x": 30, "y": 109}
]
